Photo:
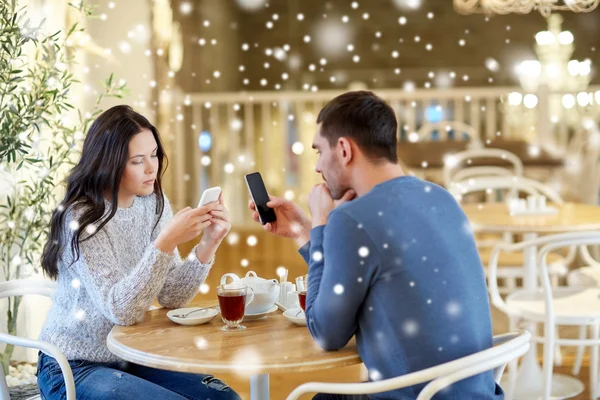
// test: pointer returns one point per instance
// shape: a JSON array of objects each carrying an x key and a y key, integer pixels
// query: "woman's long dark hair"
[{"x": 103, "y": 159}]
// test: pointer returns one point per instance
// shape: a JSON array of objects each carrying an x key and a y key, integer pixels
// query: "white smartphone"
[{"x": 210, "y": 195}]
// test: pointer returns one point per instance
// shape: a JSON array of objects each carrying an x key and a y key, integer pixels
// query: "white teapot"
[{"x": 266, "y": 291}]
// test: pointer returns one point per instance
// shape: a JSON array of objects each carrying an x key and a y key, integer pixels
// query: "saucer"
[
  {"x": 197, "y": 318},
  {"x": 250, "y": 317},
  {"x": 295, "y": 315}
]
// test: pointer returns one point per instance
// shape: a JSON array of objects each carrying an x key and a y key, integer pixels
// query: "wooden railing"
[{"x": 256, "y": 131}]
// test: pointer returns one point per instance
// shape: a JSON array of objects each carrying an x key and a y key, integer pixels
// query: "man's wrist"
[
  {"x": 319, "y": 221},
  {"x": 303, "y": 238}
]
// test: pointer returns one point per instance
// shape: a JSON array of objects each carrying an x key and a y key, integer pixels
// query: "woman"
[{"x": 113, "y": 249}]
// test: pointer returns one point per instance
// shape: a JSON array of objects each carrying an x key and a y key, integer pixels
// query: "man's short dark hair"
[{"x": 364, "y": 118}]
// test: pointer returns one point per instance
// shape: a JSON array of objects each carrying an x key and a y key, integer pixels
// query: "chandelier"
[
  {"x": 554, "y": 66},
  {"x": 560, "y": 85},
  {"x": 545, "y": 7}
]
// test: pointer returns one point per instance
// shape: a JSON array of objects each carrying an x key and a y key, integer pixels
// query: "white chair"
[
  {"x": 553, "y": 306},
  {"x": 511, "y": 265},
  {"x": 455, "y": 169},
  {"x": 586, "y": 276},
  {"x": 506, "y": 348},
  {"x": 44, "y": 288}
]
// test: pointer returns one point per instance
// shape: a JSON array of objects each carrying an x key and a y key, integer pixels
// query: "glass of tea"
[
  {"x": 302, "y": 287},
  {"x": 233, "y": 299}
]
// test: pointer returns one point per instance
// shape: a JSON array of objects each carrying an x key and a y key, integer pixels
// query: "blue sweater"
[{"x": 398, "y": 268}]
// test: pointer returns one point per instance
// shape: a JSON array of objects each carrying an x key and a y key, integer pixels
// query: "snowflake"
[
  {"x": 296, "y": 228},
  {"x": 252, "y": 241},
  {"x": 375, "y": 375},
  {"x": 453, "y": 309},
  {"x": 360, "y": 279},
  {"x": 80, "y": 314},
  {"x": 412, "y": 284},
  {"x": 454, "y": 339},
  {"x": 233, "y": 238},
  {"x": 411, "y": 328},
  {"x": 201, "y": 343},
  {"x": 427, "y": 189},
  {"x": 363, "y": 251},
  {"x": 385, "y": 245},
  {"x": 76, "y": 283},
  {"x": 246, "y": 361},
  {"x": 338, "y": 289},
  {"x": 204, "y": 288},
  {"x": 251, "y": 5},
  {"x": 317, "y": 256},
  {"x": 424, "y": 258},
  {"x": 74, "y": 225},
  {"x": 281, "y": 271},
  {"x": 468, "y": 229},
  {"x": 428, "y": 301},
  {"x": 244, "y": 263}
]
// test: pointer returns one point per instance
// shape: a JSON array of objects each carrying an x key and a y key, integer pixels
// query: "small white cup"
[
  {"x": 531, "y": 202},
  {"x": 292, "y": 300},
  {"x": 286, "y": 287},
  {"x": 541, "y": 202}
]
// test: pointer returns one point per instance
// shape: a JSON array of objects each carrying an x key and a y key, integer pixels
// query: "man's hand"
[
  {"x": 321, "y": 203},
  {"x": 291, "y": 222}
]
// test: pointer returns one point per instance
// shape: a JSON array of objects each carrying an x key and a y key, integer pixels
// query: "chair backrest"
[
  {"x": 506, "y": 348},
  {"x": 480, "y": 172},
  {"x": 459, "y": 129},
  {"x": 22, "y": 287},
  {"x": 456, "y": 170},
  {"x": 547, "y": 244},
  {"x": 514, "y": 185},
  {"x": 583, "y": 154}
]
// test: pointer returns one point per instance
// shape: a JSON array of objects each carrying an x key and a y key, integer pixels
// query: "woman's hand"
[
  {"x": 184, "y": 226},
  {"x": 220, "y": 223},
  {"x": 215, "y": 233}
]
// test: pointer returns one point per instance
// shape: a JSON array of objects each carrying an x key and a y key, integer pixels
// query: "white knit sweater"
[{"x": 118, "y": 275}]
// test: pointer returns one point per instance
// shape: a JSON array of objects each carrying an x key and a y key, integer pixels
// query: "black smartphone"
[{"x": 260, "y": 197}]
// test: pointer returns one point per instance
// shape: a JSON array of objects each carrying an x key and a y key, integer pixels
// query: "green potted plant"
[{"x": 40, "y": 135}]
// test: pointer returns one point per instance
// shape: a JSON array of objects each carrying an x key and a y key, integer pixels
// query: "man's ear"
[{"x": 345, "y": 150}]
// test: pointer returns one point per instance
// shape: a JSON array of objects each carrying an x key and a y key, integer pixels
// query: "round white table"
[
  {"x": 268, "y": 345},
  {"x": 495, "y": 218}
]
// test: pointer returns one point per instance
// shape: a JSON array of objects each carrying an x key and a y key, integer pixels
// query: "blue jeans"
[{"x": 127, "y": 381}]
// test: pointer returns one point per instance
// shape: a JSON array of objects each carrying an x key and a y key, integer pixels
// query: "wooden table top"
[
  {"x": 494, "y": 217},
  {"x": 270, "y": 345},
  {"x": 433, "y": 152}
]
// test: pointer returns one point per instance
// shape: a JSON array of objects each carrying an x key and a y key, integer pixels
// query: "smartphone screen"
[{"x": 260, "y": 197}]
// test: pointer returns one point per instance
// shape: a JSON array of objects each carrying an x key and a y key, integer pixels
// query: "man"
[{"x": 391, "y": 258}]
